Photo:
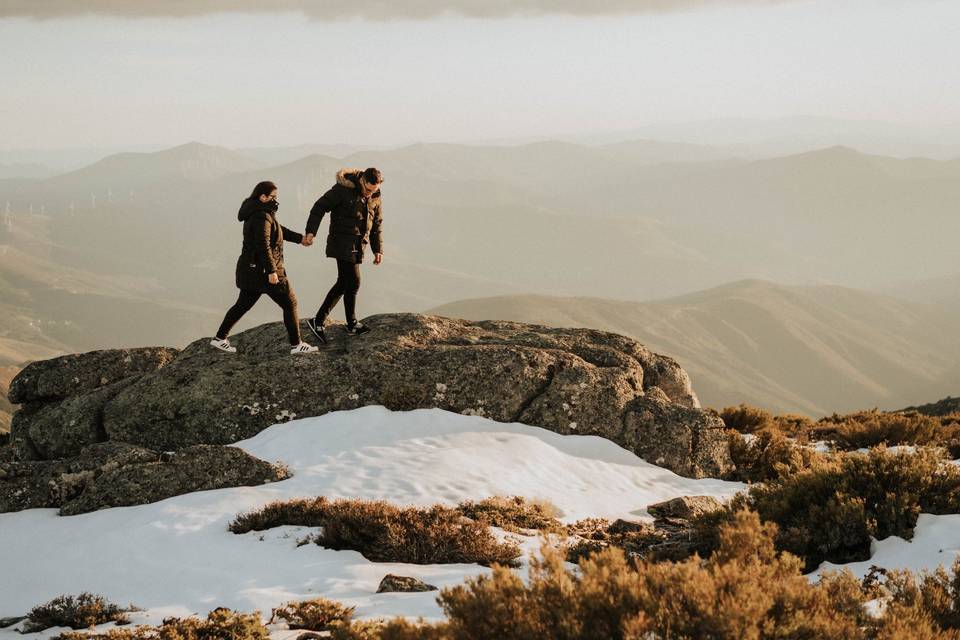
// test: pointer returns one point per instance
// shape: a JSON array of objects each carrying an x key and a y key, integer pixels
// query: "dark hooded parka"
[
  {"x": 263, "y": 238},
  {"x": 355, "y": 220}
]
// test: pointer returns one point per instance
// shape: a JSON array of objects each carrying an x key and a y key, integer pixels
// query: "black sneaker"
[
  {"x": 317, "y": 330},
  {"x": 357, "y": 329}
]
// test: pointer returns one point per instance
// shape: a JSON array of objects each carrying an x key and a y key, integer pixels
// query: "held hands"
[
  {"x": 378, "y": 258},
  {"x": 273, "y": 278},
  {"x": 307, "y": 240}
]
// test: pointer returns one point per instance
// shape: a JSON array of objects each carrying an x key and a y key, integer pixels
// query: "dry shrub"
[
  {"x": 303, "y": 512},
  {"x": 862, "y": 429},
  {"x": 830, "y": 511},
  {"x": 318, "y": 614},
  {"x": 385, "y": 533},
  {"x": 437, "y": 535},
  {"x": 746, "y": 590},
  {"x": 769, "y": 455},
  {"x": 77, "y": 612},
  {"x": 220, "y": 624},
  {"x": 136, "y": 633},
  {"x": 596, "y": 534},
  {"x": 935, "y": 595},
  {"x": 746, "y": 419},
  {"x": 514, "y": 513},
  {"x": 870, "y": 428}
]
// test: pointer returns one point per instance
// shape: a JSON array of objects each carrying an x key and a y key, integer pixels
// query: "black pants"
[
  {"x": 346, "y": 287},
  {"x": 282, "y": 294}
]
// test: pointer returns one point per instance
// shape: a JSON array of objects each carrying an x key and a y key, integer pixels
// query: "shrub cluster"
[
  {"x": 220, "y": 624},
  {"x": 832, "y": 509},
  {"x": 745, "y": 590},
  {"x": 596, "y": 534},
  {"x": 870, "y": 428},
  {"x": 385, "y": 533},
  {"x": 77, "y": 612},
  {"x": 513, "y": 513},
  {"x": 318, "y": 614},
  {"x": 852, "y": 431},
  {"x": 769, "y": 455}
]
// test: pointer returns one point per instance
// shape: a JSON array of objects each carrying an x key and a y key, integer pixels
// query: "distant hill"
[
  {"x": 943, "y": 407},
  {"x": 943, "y": 291},
  {"x": 813, "y": 350},
  {"x": 637, "y": 220},
  {"x": 114, "y": 177},
  {"x": 25, "y": 170}
]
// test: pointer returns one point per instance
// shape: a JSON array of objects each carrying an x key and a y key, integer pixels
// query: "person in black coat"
[
  {"x": 355, "y": 221},
  {"x": 260, "y": 268}
]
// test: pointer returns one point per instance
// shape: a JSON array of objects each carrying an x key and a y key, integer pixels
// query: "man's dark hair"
[{"x": 372, "y": 175}]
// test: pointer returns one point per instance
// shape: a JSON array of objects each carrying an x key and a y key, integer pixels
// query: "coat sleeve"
[
  {"x": 325, "y": 204},
  {"x": 291, "y": 236},
  {"x": 261, "y": 238},
  {"x": 376, "y": 232}
]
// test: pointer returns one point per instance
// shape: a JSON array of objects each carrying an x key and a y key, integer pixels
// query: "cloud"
[{"x": 375, "y": 10}]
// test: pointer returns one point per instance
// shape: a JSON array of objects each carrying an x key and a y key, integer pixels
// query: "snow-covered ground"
[
  {"x": 936, "y": 542},
  {"x": 176, "y": 557}
]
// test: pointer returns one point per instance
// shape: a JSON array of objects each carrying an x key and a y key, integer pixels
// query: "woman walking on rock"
[{"x": 260, "y": 267}]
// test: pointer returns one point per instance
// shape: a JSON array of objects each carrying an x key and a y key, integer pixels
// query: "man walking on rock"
[{"x": 355, "y": 220}]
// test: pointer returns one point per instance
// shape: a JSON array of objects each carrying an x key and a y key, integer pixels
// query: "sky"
[{"x": 107, "y": 73}]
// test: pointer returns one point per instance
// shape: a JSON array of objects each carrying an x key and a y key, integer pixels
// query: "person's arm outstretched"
[
  {"x": 323, "y": 205},
  {"x": 291, "y": 236}
]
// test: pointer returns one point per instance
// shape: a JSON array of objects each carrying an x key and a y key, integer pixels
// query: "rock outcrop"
[
  {"x": 392, "y": 583},
  {"x": 572, "y": 381},
  {"x": 114, "y": 474}
]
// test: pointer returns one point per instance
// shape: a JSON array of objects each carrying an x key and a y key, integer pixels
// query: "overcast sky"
[{"x": 114, "y": 73}]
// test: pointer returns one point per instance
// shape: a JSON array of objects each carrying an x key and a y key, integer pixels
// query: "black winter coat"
[
  {"x": 355, "y": 220},
  {"x": 262, "y": 252}
]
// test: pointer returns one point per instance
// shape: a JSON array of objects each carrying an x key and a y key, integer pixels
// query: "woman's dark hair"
[
  {"x": 264, "y": 188},
  {"x": 372, "y": 175}
]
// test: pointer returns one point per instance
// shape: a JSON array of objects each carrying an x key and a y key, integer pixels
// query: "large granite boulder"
[
  {"x": 73, "y": 374},
  {"x": 63, "y": 399},
  {"x": 112, "y": 474},
  {"x": 571, "y": 381}
]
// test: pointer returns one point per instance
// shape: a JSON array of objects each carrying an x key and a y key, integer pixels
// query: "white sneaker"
[
  {"x": 223, "y": 345},
  {"x": 303, "y": 347}
]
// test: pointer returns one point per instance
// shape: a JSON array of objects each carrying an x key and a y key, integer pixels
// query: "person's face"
[
  {"x": 367, "y": 188},
  {"x": 268, "y": 198}
]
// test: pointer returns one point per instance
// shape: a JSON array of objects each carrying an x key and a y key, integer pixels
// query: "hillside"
[
  {"x": 813, "y": 350},
  {"x": 157, "y": 232},
  {"x": 695, "y": 216}
]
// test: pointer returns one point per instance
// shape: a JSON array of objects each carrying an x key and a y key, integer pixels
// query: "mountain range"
[
  {"x": 807, "y": 349},
  {"x": 139, "y": 248}
]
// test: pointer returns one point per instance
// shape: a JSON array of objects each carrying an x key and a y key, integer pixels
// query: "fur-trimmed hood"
[
  {"x": 350, "y": 178},
  {"x": 253, "y": 205}
]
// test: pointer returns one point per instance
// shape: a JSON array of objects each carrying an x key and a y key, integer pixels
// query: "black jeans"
[
  {"x": 346, "y": 287},
  {"x": 282, "y": 294}
]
